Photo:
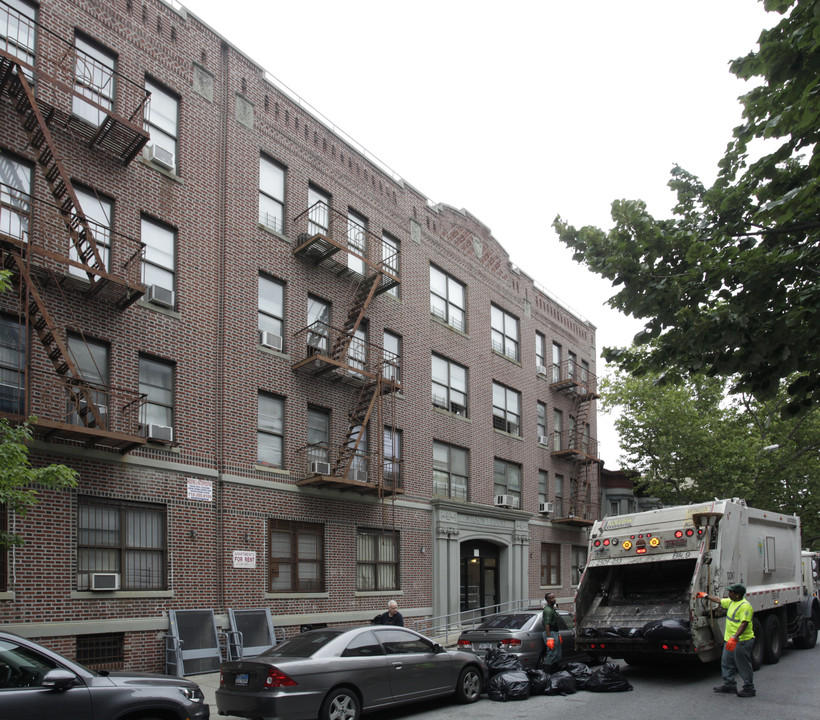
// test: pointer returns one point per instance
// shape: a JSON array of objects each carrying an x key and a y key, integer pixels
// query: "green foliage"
[
  {"x": 729, "y": 285},
  {"x": 19, "y": 481}
]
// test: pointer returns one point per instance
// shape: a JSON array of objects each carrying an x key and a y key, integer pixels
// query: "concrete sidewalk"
[{"x": 209, "y": 682}]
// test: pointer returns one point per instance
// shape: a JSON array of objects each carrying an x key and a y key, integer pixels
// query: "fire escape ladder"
[
  {"x": 78, "y": 392},
  {"x": 40, "y": 139},
  {"x": 357, "y": 422},
  {"x": 361, "y": 300}
]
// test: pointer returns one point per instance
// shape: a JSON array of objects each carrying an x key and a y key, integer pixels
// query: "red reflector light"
[
  {"x": 690, "y": 532},
  {"x": 606, "y": 542},
  {"x": 678, "y": 533},
  {"x": 597, "y": 543},
  {"x": 276, "y": 678},
  {"x": 510, "y": 641}
]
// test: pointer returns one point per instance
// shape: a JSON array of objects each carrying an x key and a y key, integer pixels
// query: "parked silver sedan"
[{"x": 338, "y": 673}]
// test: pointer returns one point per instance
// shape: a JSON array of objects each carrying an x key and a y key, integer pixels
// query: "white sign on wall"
[
  {"x": 200, "y": 489},
  {"x": 244, "y": 558}
]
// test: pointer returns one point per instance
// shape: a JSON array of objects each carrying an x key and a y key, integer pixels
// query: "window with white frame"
[
  {"x": 271, "y": 195},
  {"x": 12, "y": 366},
  {"x": 449, "y": 388},
  {"x": 91, "y": 360},
  {"x": 359, "y": 443},
  {"x": 572, "y": 364},
  {"x": 585, "y": 373},
  {"x": 318, "y": 322},
  {"x": 157, "y": 384},
  {"x": 577, "y": 563},
  {"x": 297, "y": 557},
  {"x": 392, "y": 456},
  {"x": 270, "y": 433},
  {"x": 504, "y": 332},
  {"x": 506, "y": 409},
  {"x": 542, "y": 423},
  {"x": 550, "y": 564},
  {"x": 556, "y": 362},
  {"x": 158, "y": 264},
  {"x": 357, "y": 351},
  {"x": 162, "y": 120},
  {"x": 451, "y": 471},
  {"x": 540, "y": 353},
  {"x": 18, "y": 31},
  {"x": 356, "y": 242},
  {"x": 559, "y": 496},
  {"x": 390, "y": 260},
  {"x": 15, "y": 197},
  {"x": 557, "y": 430},
  {"x": 543, "y": 486},
  {"x": 318, "y": 212},
  {"x": 271, "y": 316},
  {"x": 392, "y": 356},
  {"x": 98, "y": 215},
  {"x": 507, "y": 478},
  {"x": 93, "y": 81},
  {"x": 447, "y": 299},
  {"x": 128, "y": 538},
  {"x": 318, "y": 435},
  {"x": 377, "y": 559}
]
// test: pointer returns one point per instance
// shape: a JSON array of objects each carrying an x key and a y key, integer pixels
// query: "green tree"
[{"x": 730, "y": 285}]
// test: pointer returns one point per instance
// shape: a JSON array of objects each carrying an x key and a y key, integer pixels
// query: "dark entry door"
[{"x": 479, "y": 575}]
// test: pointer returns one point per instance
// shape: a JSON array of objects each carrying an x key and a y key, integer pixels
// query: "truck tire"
[
  {"x": 808, "y": 639},
  {"x": 773, "y": 634},
  {"x": 760, "y": 643}
]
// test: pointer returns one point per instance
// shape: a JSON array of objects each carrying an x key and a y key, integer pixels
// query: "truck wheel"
[
  {"x": 808, "y": 639},
  {"x": 773, "y": 648},
  {"x": 760, "y": 644}
]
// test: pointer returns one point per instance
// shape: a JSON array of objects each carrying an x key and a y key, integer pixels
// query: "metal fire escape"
[
  {"x": 51, "y": 246},
  {"x": 359, "y": 461},
  {"x": 575, "y": 444}
]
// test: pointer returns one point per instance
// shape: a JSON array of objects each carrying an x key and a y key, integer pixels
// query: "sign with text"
[
  {"x": 200, "y": 489},
  {"x": 244, "y": 558}
]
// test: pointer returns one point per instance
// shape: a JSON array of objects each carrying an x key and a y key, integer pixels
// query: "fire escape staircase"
[{"x": 365, "y": 291}]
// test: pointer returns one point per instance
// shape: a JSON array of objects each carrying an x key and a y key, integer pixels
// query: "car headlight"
[{"x": 194, "y": 694}]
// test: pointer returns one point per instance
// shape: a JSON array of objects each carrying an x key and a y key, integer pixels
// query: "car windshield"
[
  {"x": 508, "y": 621},
  {"x": 303, "y": 645}
]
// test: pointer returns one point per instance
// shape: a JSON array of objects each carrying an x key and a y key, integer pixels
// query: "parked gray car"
[
  {"x": 521, "y": 633},
  {"x": 338, "y": 673},
  {"x": 37, "y": 683}
]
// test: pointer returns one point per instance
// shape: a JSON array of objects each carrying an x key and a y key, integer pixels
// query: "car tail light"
[
  {"x": 510, "y": 642},
  {"x": 276, "y": 678},
  {"x": 464, "y": 644},
  {"x": 221, "y": 678}
]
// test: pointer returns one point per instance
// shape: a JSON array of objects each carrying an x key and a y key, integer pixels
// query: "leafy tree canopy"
[{"x": 730, "y": 285}]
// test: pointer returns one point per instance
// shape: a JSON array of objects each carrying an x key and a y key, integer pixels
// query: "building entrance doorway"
[{"x": 479, "y": 574}]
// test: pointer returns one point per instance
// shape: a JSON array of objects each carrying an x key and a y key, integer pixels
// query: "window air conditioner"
[
  {"x": 161, "y": 296},
  {"x": 541, "y": 369},
  {"x": 507, "y": 501},
  {"x": 546, "y": 508},
  {"x": 159, "y": 433},
  {"x": 162, "y": 157},
  {"x": 270, "y": 340},
  {"x": 320, "y": 468},
  {"x": 543, "y": 440},
  {"x": 105, "y": 581}
]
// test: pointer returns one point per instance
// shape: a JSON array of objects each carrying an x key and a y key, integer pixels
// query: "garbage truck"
[{"x": 638, "y": 595}]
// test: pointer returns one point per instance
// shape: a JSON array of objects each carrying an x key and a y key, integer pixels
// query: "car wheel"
[
  {"x": 341, "y": 704},
  {"x": 469, "y": 686}
]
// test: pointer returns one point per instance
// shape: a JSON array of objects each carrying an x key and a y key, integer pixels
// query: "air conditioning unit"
[
  {"x": 270, "y": 340},
  {"x": 360, "y": 475},
  {"x": 162, "y": 157},
  {"x": 159, "y": 433},
  {"x": 543, "y": 440},
  {"x": 546, "y": 508},
  {"x": 541, "y": 369},
  {"x": 161, "y": 296},
  {"x": 320, "y": 468},
  {"x": 507, "y": 501},
  {"x": 105, "y": 581}
]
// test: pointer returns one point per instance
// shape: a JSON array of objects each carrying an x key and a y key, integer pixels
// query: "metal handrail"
[{"x": 445, "y": 627}]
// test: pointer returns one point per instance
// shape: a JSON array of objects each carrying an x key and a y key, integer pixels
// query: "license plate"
[
  {"x": 486, "y": 646},
  {"x": 241, "y": 679}
]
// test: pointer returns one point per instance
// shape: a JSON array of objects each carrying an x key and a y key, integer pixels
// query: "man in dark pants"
[{"x": 552, "y": 640}]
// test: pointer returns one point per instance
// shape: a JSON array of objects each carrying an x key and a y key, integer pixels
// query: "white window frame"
[
  {"x": 162, "y": 120},
  {"x": 159, "y": 260},
  {"x": 271, "y": 194},
  {"x": 448, "y": 299},
  {"x": 506, "y": 409},
  {"x": 94, "y": 72},
  {"x": 447, "y": 392},
  {"x": 505, "y": 332}
]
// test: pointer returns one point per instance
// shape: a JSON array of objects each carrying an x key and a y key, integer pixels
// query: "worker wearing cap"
[
  {"x": 552, "y": 640},
  {"x": 739, "y": 640}
]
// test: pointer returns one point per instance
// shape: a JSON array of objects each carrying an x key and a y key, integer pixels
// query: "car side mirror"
[
  {"x": 437, "y": 648},
  {"x": 59, "y": 679}
]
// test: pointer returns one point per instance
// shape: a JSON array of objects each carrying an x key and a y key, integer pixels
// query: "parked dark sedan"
[
  {"x": 338, "y": 673},
  {"x": 521, "y": 633},
  {"x": 37, "y": 683}
]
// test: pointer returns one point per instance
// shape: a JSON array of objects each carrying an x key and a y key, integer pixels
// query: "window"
[
  {"x": 359, "y": 442},
  {"x": 121, "y": 537},
  {"x": 586, "y": 441},
  {"x": 543, "y": 484},
  {"x": 572, "y": 363},
  {"x": 556, "y": 362},
  {"x": 318, "y": 434},
  {"x": 103, "y": 652},
  {"x": 392, "y": 456},
  {"x": 447, "y": 299},
  {"x": 377, "y": 560},
  {"x": 577, "y": 564},
  {"x": 540, "y": 353},
  {"x": 272, "y": 308},
  {"x": 271, "y": 430},
  {"x": 297, "y": 557},
  {"x": 91, "y": 360},
  {"x": 356, "y": 242},
  {"x": 559, "y": 496},
  {"x": 158, "y": 265},
  {"x": 12, "y": 367},
  {"x": 94, "y": 80},
  {"x": 392, "y": 356},
  {"x": 557, "y": 430},
  {"x": 97, "y": 211},
  {"x": 614, "y": 507},
  {"x": 504, "y": 332},
  {"x": 357, "y": 351},
  {"x": 318, "y": 320},
  {"x": 542, "y": 423},
  {"x": 162, "y": 118},
  {"x": 451, "y": 471},
  {"x": 271, "y": 195},
  {"x": 585, "y": 373},
  {"x": 18, "y": 31},
  {"x": 318, "y": 212},
  {"x": 507, "y": 479},
  {"x": 157, "y": 383},
  {"x": 390, "y": 260},
  {"x": 15, "y": 200},
  {"x": 449, "y": 387},
  {"x": 506, "y": 409},
  {"x": 550, "y": 564}
]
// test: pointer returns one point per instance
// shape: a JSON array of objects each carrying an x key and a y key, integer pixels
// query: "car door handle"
[{"x": 398, "y": 665}]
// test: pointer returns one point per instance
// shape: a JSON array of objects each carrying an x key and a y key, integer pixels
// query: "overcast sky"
[{"x": 518, "y": 111}]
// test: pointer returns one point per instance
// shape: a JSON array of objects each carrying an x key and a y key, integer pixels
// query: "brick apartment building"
[{"x": 287, "y": 380}]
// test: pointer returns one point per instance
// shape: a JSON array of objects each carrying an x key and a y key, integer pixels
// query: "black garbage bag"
[
  {"x": 539, "y": 681},
  {"x": 513, "y": 685},
  {"x": 562, "y": 683},
  {"x": 668, "y": 629},
  {"x": 590, "y": 632},
  {"x": 580, "y": 672},
  {"x": 499, "y": 660},
  {"x": 631, "y": 632},
  {"x": 607, "y": 678}
]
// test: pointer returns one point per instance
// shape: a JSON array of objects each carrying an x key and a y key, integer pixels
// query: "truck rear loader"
[{"x": 638, "y": 596}]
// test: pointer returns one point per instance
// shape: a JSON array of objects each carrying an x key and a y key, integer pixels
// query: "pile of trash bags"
[
  {"x": 667, "y": 629},
  {"x": 509, "y": 681}
]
